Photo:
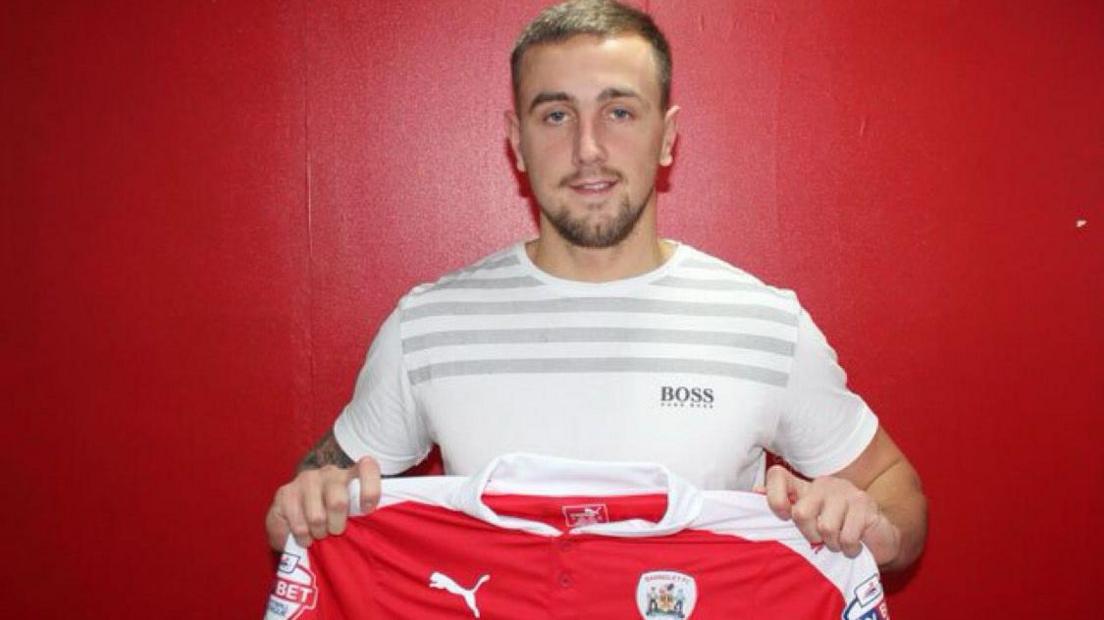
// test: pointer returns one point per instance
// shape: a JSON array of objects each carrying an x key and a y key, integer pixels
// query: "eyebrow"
[
  {"x": 612, "y": 92},
  {"x": 546, "y": 96},
  {"x": 618, "y": 93}
]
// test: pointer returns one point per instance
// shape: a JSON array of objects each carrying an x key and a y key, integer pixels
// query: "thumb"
[
  {"x": 883, "y": 539},
  {"x": 367, "y": 471}
]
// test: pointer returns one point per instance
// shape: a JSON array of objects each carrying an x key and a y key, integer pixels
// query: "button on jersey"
[{"x": 533, "y": 537}]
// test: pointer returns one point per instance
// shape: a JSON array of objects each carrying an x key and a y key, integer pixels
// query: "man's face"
[{"x": 590, "y": 134}]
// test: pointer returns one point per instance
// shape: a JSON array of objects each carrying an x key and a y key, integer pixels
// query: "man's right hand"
[{"x": 316, "y": 503}]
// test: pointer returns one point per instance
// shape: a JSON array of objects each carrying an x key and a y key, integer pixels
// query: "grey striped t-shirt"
[{"x": 696, "y": 365}]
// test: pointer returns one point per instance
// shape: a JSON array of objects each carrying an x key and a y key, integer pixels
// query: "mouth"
[{"x": 592, "y": 187}]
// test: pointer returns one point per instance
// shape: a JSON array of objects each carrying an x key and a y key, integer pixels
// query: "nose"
[{"x": 589, "y": 148}]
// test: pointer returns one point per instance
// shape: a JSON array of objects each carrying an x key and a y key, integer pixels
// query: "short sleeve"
[
  {"x": 382, "y": 420},
  {"x": 823, "y": 426}
]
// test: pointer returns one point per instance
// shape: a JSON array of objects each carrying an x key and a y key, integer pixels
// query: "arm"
[
  {"x": 876, "y": 500},
  {"x": 325, "y": 452},
  {"x": 886, "y": 475},
  {"x": 379, "y": 420},
  {"x": 315, "y": 503}
]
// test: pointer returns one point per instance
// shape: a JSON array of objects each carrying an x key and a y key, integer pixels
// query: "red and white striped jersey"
[{"x": 539, "y": 537}]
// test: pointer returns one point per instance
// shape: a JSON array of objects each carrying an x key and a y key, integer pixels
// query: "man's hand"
[
  {"x": 835, "y": 512},
  {"x": 316, "y": 503}
]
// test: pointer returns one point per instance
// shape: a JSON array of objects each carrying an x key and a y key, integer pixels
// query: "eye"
[
  {"x": 555, "y": 117},
  {"x": 621, "y": 114}
]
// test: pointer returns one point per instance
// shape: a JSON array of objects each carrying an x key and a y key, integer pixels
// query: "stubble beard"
[{"x": 597, "y": 233}]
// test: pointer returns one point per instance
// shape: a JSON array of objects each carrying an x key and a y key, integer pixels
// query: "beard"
[{"x": 599, "y": 232}]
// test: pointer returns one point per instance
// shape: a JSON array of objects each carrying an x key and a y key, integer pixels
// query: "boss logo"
[{"x": 683, "y": 396}]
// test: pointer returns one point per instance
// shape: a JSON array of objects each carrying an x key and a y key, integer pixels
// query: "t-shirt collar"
[{"x": 612, "y": 287}]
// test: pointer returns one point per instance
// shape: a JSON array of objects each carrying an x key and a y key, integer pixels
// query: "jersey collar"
[{"x": 531, "y": 474}]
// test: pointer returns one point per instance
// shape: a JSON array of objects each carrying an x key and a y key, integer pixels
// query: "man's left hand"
[{"x": 833, "y": 511}]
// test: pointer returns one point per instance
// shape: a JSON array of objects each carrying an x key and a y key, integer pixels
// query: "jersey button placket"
[{"x": 564, "y": 592}]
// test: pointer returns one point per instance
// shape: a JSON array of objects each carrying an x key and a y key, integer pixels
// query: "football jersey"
[{"x": 540, "y": 537}]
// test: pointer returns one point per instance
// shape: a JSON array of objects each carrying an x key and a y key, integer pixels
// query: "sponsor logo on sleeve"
[
  {"x": 288, "y": 562},
  {"x": 665, "y": 595},
  {"x": 879, "y": 612},
  {"x": 868, "y": 602},
  {"x": 869, "y": 591},
  {"x": 294, "y": 591}
]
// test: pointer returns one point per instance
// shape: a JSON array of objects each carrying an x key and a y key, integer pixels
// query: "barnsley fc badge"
[{"x": 664, "y": 594}]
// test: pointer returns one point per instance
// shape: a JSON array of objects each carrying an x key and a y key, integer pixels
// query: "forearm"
[
  {"x": 325, "y": 452},
  {"x": 901, "y": 501}
]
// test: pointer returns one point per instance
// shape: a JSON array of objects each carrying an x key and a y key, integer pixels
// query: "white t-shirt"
[
  {"x": 695, "y": 365},
  {"x": 538, "y": 537}
]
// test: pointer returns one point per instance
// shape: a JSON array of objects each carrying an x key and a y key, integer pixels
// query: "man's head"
[
  {"x": 602, "y": 19},
  {"x": 591, "y": 122}
]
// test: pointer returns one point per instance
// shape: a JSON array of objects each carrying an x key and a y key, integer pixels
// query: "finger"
[
  {"x": 276, "y": 526},
  {"x": 781, "y": 487},
  {"x": 368, "y": 472},
  {"x": 805, "y": 513},
  {"x": 313, "y": 510},
  {"x": 863, "y": 513},
  {"x": 291, "y": 508},
  {"x": 335, "y": 500},
  {"x": 833, "y": 514}
]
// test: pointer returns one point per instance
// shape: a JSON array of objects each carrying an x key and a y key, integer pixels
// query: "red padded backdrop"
[{"x": 208, "y": 207}]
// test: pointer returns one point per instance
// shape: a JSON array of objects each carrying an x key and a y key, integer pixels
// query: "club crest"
[{"x": 665, "y": 595}]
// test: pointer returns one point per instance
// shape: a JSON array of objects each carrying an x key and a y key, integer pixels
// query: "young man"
[{"x": 599, "y": 340}]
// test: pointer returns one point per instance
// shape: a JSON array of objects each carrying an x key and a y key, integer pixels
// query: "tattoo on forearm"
[{"x": 325, "y": 452}]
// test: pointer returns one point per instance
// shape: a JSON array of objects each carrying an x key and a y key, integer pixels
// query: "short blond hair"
[{"x": 603, "y": 18}]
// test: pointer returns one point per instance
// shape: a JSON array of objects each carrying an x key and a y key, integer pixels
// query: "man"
[{"x": 600, "y": 340}]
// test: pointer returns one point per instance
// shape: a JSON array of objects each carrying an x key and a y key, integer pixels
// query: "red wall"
[{"x": 209, "y": 207}]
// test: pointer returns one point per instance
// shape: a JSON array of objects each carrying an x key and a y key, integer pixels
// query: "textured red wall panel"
[
  {"x": 209, "y": 207},
  {"x": 157, "y": 328}
]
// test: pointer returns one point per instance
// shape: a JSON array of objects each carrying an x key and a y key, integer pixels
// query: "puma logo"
[
  {"x": 442, "y": 581},
  {"x": 586, "y": 514}
]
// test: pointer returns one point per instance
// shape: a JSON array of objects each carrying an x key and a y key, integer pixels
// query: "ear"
[
  {"x": 670, "y": 133},
  {"x": 513, "y": 132}
]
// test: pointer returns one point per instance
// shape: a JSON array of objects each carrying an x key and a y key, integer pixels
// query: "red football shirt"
[{"x": 539, "y": 537}]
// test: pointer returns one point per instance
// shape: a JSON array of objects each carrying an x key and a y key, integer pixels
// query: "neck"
[{"x": 642, "y": 251}]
